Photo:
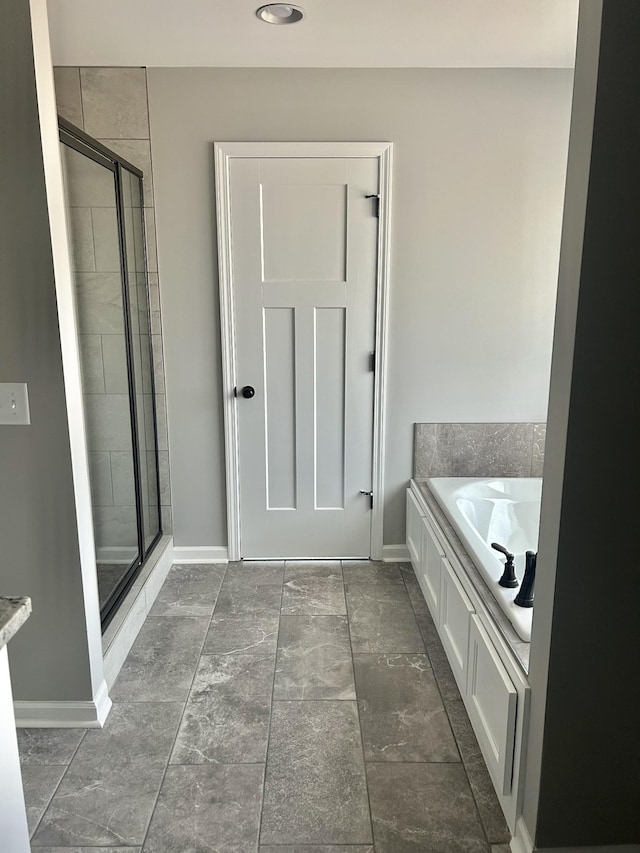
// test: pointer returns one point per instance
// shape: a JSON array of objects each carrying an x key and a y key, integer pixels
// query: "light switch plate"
[{"x": 14, "y": 403}]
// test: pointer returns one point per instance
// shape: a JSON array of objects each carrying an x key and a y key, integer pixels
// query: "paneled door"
[{"x": 303, "y": 270}]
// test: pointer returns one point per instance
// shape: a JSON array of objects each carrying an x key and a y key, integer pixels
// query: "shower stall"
[{"x": 105, "y": 214}]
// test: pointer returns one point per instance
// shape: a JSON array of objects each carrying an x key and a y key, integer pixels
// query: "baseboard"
[
  {"x": 201, "y": 554},
  {"x": 395, "y": 554},
  {"x": 220, "y": 554},
  {"x": 521, "y": 841},
  {"x": 125, "y": 627},
  {"x": 64, "y": 715}
]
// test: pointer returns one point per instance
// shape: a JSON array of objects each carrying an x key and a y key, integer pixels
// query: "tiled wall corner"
[
  {"x": 166, "y": 514},
  {"x": 479, "y": 450},
  {"x": 68, "y": 97},
  {"x": 111, "y": 105},
  {"x": 114, "y": 102}
]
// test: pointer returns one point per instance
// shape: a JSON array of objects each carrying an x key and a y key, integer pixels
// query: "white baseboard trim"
[
  {"x": 395, "y": 554},
  {"x": 64, "y": 715},
  {"x": 201, "y": 554},
  {"x": 125, "y": 627},
  {"x": 521, "y": 841},
  {"x": 103, "y": 703},
  {"x": 220, "y": 554}
]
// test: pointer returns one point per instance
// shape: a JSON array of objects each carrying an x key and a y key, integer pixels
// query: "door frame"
[{"x": 224, "y": 153}]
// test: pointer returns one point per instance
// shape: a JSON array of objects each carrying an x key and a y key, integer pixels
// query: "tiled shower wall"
[
  {"x": 479, "y": 450},
  {"x": 110, "y": 104}
]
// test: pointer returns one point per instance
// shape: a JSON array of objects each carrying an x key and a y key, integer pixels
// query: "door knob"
[
  {"x": 248, "y": 392},
  {"x": 369, "y": 494}
]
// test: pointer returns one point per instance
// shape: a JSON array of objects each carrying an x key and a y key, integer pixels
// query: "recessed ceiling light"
[{"x": 280, "y": 13}]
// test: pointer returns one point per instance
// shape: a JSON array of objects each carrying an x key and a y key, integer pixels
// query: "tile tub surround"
[
  {"x": 201, "y": 752},
  {"x": 479, "y": 450},
  {"x": 110, "y": 104}
]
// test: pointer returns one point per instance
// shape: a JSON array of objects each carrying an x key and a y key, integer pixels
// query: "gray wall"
[
  {"x": 39, "y": 553},
  {"x": 582, "y": 783},
  {"x": 480, "y": 158}
]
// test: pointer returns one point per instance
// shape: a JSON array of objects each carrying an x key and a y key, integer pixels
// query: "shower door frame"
[{"x": 86, "y": 145}]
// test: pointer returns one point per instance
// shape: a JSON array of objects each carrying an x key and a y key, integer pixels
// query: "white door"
[{"x": 303, "y": 260}]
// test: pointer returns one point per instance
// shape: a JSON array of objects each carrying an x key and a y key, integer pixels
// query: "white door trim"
[{"x": 224, "y": 152}]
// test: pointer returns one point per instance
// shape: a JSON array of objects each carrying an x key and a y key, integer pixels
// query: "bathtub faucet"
[
  {"x": 524, "y": 598},
  {"x": 508, "y": 579}
]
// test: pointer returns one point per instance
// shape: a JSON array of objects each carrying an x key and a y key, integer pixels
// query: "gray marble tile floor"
[{"x": 272, "y": 708}]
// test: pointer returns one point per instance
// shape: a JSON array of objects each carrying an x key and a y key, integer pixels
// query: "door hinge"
[
  {"x": 372, "y": 361},
  {"x": 377, "y": 203},
  {"x": 370, "y": 495}
]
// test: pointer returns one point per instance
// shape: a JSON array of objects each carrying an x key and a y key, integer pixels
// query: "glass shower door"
[
  {"x": 91, "y": 188},
  {"x": 142, "y": 356},
  {"x": 105, "y": 208}
]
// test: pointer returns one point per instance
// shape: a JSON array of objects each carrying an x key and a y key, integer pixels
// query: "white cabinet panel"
[
  {"x": 494, "y": 689},
  {"x": 414, "y": 531},
  {"x": 455, "y": 618},
  {"x": 491, "y": 702},
  {"x": 432, "y": 554}
]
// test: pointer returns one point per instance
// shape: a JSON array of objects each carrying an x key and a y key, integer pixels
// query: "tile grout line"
[
  {"x": 355, "y": 687},
  {"x": 403, "y": 584},
  {"x": 273, "y": 684},
  {"x": 55, "y": 790},
  {"x": 48, "y": 802},
  {"x": 445, "y": 705},
  {"x": 184, "y": 708},
  {"x": 435, "y": 677},
  {"x": 296, "y": 701}
]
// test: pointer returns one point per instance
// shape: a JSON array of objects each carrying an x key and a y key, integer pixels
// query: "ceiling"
[{"x": 335, "y": 33}]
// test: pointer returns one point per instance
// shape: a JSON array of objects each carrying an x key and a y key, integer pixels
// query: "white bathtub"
[{"x": 485, "y": 510}]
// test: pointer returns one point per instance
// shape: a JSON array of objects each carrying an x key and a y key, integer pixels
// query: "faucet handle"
[
  {"x": 503, "y": 550},
  {"x": 508, "y": 579}
]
